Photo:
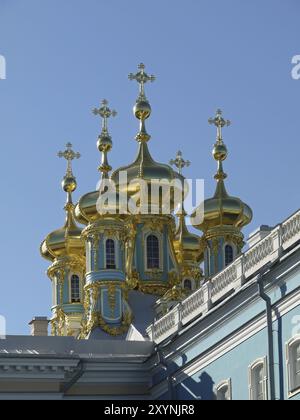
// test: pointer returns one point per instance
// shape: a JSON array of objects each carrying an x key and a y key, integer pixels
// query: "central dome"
[{"x": 158, "y": 178}]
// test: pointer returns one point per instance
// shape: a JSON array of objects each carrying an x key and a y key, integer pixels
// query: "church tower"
[
  {"x": 224, "y": 215},
  {"x": 65, "y": 249},
  {"x": 106, "y": 307}
]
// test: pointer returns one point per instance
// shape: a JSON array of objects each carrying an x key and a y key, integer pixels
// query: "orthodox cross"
[
  {"x": 69, "y": 155},
  {"x": 141, "y": 77},
  {"x": 179, "y": 162},
  {"x": 105, "y": 112},
  {"x": 219, "y": 122}
]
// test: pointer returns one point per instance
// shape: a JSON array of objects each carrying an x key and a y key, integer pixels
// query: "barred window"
[
  {"x": 110, "y": 254},
  {"x": 152, "y": 252},
  {"x": 75, "y": 289}
]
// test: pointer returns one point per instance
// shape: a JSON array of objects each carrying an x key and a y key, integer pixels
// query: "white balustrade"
[
  {"x": 223, "y": 282},
  {"x": 291, "y": 231},
  {"x": 229, "y": 280},
  {"x": 259, "y": 255}
]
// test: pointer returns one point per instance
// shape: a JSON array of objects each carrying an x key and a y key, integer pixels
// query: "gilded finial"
[
  {"x": 179, "y": 162},
  {"x": 219, "y": 122},
  {"x": 220, "y": 150},
  {"x": 105, "y": 112},
  {"x": 69, "y": 181},
  {"x": 141, "y": 77},
  {"x": 104, "y": 142},
  {"x": 142, "y": 108}
]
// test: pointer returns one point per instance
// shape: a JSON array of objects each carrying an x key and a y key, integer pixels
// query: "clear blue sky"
[{"x": 64, "y": 56}]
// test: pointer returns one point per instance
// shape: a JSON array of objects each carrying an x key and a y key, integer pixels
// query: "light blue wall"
[{"x": 235, "y": 363}]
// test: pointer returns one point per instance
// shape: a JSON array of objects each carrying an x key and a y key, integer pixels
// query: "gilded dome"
[
  {"x": 106, "y": 201},
  {"x": 64, "y": 241},
  {"x": 96, "y": 204},
  {"x": 145, "y": 168},
  {"x": 186, "y": 242},
  {"x": 222, "y": 209}
]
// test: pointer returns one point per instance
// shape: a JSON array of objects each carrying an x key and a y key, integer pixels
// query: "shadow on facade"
[{"x": 201, "y": 389}]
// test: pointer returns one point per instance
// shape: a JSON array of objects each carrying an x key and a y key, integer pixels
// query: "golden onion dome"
[
  {"x": 222, "y": 209},
  {"x": 106, "y": 201},
  {"x": 186, "y": 244},
  {"x": 145, "y": 168},
  {"x": 128, "y": 179},
  {"x": 95, "y": 205},
  {"x": 66, "y": 240}
]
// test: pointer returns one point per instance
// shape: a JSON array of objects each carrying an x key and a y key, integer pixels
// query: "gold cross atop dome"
[
  {"x": 105, "y": 112},
  {"x": 179, "y": 162},
  {"x": 219, "y": 122},
  {"x": 69, "y": 155},
  {"x": 141, "y": 77}
]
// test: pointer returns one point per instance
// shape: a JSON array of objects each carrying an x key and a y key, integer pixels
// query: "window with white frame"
[
  {"x": 224, "y": 391},
  {"x": 110, "y": 253},
  {"x": 75, "y": 288},
  {"x": 229, "y": 254},
  {"x": 258, "y": 379},
  {"x": 293, "y": 364},
  {"x": 153, "y": 257}
]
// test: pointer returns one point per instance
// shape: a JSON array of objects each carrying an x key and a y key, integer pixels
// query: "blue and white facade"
[{"x": 216, "y": 344}]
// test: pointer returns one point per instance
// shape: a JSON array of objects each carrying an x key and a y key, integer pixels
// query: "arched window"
[
  {"x": 110, "y": 254},
  {"x": 75, "y": 289},
  {"x": 258, "y": 380},
  {"x": 224, "y": 391},
  {"x": 152, "y": 252},
  {"x": 293, "y": 361},
  {"x": 228, "y": 255},
  {"x": 187, "y": 284}
]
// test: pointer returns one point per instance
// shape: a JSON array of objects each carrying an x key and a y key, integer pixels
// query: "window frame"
[
  {"x": 224, "y": 252},
  {"x": 222, "y": 384},
  {"x": 105, "y": 253},
  {"x": 253, "y": 386},
  {"x": 70, "y": 288},
  {"x": 160, "y": 250},
  {"x": 293, "y": 387}
]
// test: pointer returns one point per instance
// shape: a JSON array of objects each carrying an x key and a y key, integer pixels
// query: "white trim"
[
  {"x": 234, "y": 341},
  {"x": 161, "y": 253},
  {"x": 254, "y": 385},
  {"x": 228, "y": 384},
  {"x": 293, "y": 388}
]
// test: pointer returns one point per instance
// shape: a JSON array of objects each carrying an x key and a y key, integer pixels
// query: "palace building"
[{"x": 143, "y": 307}]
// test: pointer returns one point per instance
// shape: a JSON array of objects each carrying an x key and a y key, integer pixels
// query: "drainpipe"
[{"x": 271, "y": 364}]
